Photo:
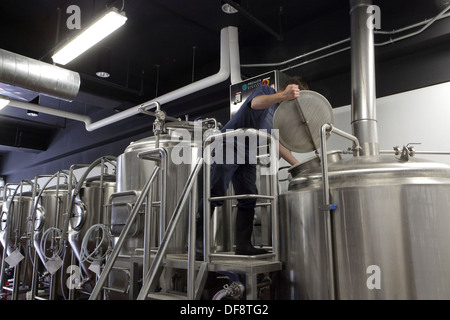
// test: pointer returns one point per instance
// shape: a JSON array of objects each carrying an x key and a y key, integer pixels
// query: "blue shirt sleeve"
[{"x": 246, "y": 117}]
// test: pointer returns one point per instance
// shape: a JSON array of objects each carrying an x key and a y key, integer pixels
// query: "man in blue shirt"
[{"x": 257, "y": 113}]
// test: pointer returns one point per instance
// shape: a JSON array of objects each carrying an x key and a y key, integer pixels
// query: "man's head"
[{"x": 302, "y": 85}]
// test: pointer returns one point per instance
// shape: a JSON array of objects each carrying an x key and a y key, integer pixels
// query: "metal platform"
[{"x": 249, "y": 266}]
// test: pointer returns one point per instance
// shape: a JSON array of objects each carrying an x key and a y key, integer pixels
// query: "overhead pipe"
[
  {"x": 47, "y": 110},
  {"x": 235, "y": 63},
  {"x": 222, "y": 75},
  {"x": 38, "y": 76},
  {"x": 253, "y": 19},
  {"x": 426, "y": 23},
  {"x": 364, "y": 122}
]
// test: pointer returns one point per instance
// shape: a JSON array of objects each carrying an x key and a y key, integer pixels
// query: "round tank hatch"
[
  {"x": 300, "y": 120},
  {"x": 3, "y": 221},
  {"x": 39, "y": 218},
  {"x": 78, "y": 215}
]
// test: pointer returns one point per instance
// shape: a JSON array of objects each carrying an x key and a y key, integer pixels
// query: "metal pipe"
[
  {"x": 274, "y": 152},
  {"x": 279, "y": 64},
  {"x": 115, "y": 253},
  {"x": 364, "y": 123},
  {"x": 41, "y": 77},
  {"x": 428, "y": 23},
  {"x": 441, "y": 153},
  {"x": 192, "y": 237},
  {"x": 327, "y": 211},
  {"x": 249, "y": 16},
  {"x": 47, "y": 110},
  {"x": 327, "y": 207},
  {"x": 235, "y": 63},
  {"x": 356, "y": 147},
  {"x": 222, "y": 75}
]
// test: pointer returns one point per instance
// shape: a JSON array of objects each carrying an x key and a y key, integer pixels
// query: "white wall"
[{"x": 418, "y": 116}]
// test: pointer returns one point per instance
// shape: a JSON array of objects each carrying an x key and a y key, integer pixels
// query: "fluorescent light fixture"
[
  {"x": 3, "y": 103},
  {"x": 103, "y": 27}
]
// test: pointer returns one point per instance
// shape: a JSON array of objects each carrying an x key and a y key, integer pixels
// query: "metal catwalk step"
[{"x": 166, "y": 296}]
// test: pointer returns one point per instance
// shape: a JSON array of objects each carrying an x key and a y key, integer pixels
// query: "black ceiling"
[{"x": 167, "y": 44}]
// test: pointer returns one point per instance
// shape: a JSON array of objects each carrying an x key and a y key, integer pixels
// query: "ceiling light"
[
  {"x": 228, "y": 8},
  {"x": 3, "y": 103},
  {"x": 102, "y": 74},
  {"x": 107, "y": 24},
  {"x": 104, "y": 63},
  {"x": 32, "y": 113}
]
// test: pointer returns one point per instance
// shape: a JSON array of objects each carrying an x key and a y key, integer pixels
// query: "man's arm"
[
  {"x": 265, "y": 101},
  {"x": 287, "y": 155}
]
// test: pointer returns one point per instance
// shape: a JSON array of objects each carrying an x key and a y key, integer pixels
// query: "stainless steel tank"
[
  {"x": 133, "y": 172},
  {"x": 49, "y": 222},
  {"x": 182, "y": 145},
  {"x": 390, "y": 230},
  {"x": 14, "y": 223},
  {"x": 13, "y": 230},
  {"x": 89, "y": 210}
]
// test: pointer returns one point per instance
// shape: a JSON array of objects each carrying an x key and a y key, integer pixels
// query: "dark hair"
[{"x": 302, "y": 85}]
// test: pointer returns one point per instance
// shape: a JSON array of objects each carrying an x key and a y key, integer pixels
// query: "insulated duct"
[
  {"x": 227, "y": 35},
  {"x": 364, "y": 123},
  {"x": 40, "y": 77}
]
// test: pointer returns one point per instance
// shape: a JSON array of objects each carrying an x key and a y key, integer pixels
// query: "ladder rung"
[
  {"x": 242, "y": 196},
  {"x": 115, "y": 289},
  {"x": 166, "y": 296}
]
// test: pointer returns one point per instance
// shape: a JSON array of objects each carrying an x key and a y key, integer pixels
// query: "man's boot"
[
  {"x": 244, "y": 229},
  {"x": 199, "y": 236}
]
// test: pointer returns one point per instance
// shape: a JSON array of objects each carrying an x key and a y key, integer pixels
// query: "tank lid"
[
  {"x": 299, "y": 121},
  {"x": 314, "y": 162},
  {"x": 106, "y": 178}
]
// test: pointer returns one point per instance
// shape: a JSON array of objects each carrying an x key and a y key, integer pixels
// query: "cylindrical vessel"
[
  {"x": 390, "y": 230},
  {"x": 13, "y": 226},
  {"x": 50, "y": 214},
  {"x": 14, "y": 214},
  {"x": 89, "y": 210},
  {"x": 183, "y": 145}
]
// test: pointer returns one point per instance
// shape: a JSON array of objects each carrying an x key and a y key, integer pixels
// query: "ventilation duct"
[
  {"x": 364, "y": 123},
  {"x": 40, "y": 77}
]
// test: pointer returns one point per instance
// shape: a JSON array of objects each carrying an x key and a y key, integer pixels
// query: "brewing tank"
[
  {"x": 390, "y": 231},
  {"x": 14, "y": 214},
  {"x": 89, "y": 210},
  {"x": 49, "y": 221},
  {"x": 183, "y": 145},
  {"x": 13, "y": 231}
]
